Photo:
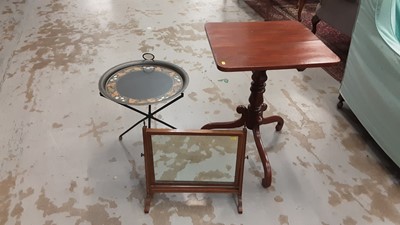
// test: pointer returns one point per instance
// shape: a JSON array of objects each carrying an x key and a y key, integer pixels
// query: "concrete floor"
[{"x": 62, "y": 163}]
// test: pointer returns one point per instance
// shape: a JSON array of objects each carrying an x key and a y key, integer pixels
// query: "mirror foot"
[
  {"x": 147, "y": 202},
  {"x": 239, "y": 204}
]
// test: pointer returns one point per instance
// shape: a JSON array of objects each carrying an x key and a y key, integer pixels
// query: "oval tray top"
[{"x": 143, "y": 82}]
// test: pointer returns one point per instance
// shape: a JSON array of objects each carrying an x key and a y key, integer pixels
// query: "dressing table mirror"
[{"x": 194, "y": 161}]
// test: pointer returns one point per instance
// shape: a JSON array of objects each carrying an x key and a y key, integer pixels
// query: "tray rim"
[{"x": 104, "y": 78}]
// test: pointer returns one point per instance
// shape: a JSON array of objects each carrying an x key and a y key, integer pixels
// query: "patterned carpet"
[{"x": 287, "y": 10}]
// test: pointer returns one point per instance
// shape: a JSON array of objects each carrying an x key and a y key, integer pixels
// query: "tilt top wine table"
[{"x": 258, "y": 47}]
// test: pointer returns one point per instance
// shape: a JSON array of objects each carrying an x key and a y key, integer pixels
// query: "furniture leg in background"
[{"x": 300, "y": 5}]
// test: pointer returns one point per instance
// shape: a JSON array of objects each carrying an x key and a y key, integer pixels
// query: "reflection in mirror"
[{"x": 194, "y": 158}]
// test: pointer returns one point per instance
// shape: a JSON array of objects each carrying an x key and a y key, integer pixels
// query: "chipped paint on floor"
[{"x": 62, "y": 162}]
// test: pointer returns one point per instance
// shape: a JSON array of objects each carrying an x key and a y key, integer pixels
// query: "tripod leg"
[
  {"x": 273, "y": 119},
  {"x": 224, "y": 125},
  {"x": 231, "y": 124},
  {"x": 266, "y": 181}
]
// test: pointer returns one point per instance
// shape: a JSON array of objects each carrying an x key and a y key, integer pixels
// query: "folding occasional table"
[{"x": 144, "y": 82}]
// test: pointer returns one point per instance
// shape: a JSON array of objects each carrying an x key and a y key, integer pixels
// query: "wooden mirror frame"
[{"x": 173, "y": 186}]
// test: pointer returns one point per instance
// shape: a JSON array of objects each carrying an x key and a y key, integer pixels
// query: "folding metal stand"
[
  {"x": 149, "y": 115},
  {"x": 144, "y": 82}
]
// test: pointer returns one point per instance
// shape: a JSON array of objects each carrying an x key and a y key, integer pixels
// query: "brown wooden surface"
[{"x": 249, "y": 46}]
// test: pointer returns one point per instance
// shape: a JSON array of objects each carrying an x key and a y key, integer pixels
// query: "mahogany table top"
[{"x": 251, "y": 46}]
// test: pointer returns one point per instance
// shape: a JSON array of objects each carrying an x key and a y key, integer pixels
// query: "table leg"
[
  {"x": 255, "y": 119},
  {"x": 252, "y": 118},
  {"x": 300, "y": 4},
  {"x": 266, "y": 181},
  {"x": 231, "y": 124},
  {"x": 149, "y": 115},
  {"x": 268, "y": 10},
  {"x": 273, "y": 119}
]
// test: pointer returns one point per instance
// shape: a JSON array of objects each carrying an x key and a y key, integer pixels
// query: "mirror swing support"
[{"x": 194, "y": 161}]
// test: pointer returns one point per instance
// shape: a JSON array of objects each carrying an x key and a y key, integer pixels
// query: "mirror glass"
[{"x": 194, "y": 158}]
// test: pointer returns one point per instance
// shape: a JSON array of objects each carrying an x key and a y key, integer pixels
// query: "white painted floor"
[{"x": 62, "y": 162}]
